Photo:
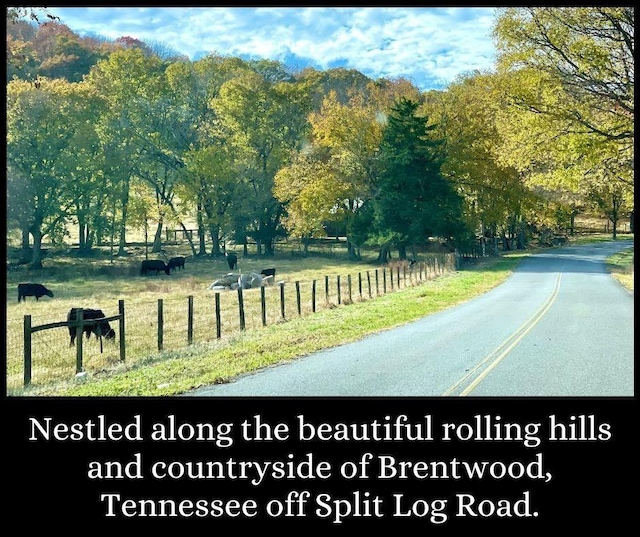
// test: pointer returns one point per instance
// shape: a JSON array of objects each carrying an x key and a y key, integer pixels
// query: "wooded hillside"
[{"x": 113, "y": 136}]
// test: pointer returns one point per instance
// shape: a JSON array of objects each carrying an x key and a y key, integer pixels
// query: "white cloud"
[{"x": 423, "y": 44}]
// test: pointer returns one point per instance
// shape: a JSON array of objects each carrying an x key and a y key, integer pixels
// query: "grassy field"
[
  {"x": 621, "y": 267},
  {"x": 180, "y": 367}
]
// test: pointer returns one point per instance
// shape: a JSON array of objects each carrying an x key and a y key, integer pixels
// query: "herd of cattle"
[
  {"x": 158, "y": 265},
  {"x": 103, "y": 329}
]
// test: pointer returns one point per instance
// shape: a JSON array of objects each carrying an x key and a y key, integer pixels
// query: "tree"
[
  {"x": 265, "y": 122},
  {"x": 83, "y": 166},
  {"x": 210, "y": 183},
  {"x": 349, "y": 135},
  {"x": 495, "y": 195},
  {"x": 37, "y": 14},
  {"x": 312, "y": 192},
  {"x": 70, "y": 59},
  {"x": 571, "y": 90},
  {"x": 412, "y": 200},
  {"x": 151, "y": 131},
  {"x": 42, "y": 129},
  {"x": 330, "y": 181}
]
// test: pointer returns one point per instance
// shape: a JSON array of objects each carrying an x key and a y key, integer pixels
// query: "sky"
[{"x": 428, "y": 45}]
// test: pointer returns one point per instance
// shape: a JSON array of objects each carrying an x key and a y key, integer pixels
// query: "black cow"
[
  {"x": 32, "y": 289},
  {"x": 176, "y": 263},
  {"x": 268, "y": 272},
  {"x": 101, "y": 328},
  {"x": 149, "y": 265},
  {"x": 232, "y": 259}
]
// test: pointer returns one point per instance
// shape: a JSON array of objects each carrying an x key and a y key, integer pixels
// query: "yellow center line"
[{"x": 507, "y": 345}]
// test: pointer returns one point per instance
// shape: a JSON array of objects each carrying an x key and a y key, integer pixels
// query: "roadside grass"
[
  {"x": 180, "y": 370},
  {"x": 100, "y": 282},
  {"x": 621, "y": 267}
]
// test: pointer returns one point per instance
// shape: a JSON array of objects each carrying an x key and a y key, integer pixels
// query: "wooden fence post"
[
  {"x": 326, "y": 288},
  {"x": 384, "y": 281},
  {"x": 369, "y": 283},
  {"x": 349, "y": 287},
  {"x": 298, "y": 298},
  {"x": 27, "y": 350},
  {"x": 338, "y": 285},
  {"x": 189, "y": 319},
  {"x": 360, "y": 283},
  {"x": 218, "y": 325},
  {"x": 377, "y": 283},
  {"x": 123, "y": 350},
  {"x": 282, "y": 309},
  {"x": 79, "y": 331},
  {"x": 160, "y": 324},
  {"x": 313, "y": 296},
  {"x": 241, "y": 308},
  {"x": 263, "y": 306}
]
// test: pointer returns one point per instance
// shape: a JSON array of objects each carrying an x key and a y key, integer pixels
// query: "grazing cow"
[
  {"x": 268, "y": 272},
  {"x": 32, "y": 289},
  {"x": 100, "y": 328},
  {"x": 176, "y": 263},
  {"x": 232, "y": 259},
  {"x": 149, "y": 265}
]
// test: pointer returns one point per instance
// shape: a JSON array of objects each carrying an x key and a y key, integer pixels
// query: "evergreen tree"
[{"x": 413, "y": 200}]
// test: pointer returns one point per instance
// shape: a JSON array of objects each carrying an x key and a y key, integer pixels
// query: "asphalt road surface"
[{"x": 559, "y": 326}]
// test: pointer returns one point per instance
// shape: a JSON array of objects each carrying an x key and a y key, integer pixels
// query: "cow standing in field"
[
  {"x": 176, "y": 263},
  {"x": 32, "y": 289},
  {"x": 232, "y": 259},
  {"x": 157, "y": 265},
  {"x": 100, "y": 328}
]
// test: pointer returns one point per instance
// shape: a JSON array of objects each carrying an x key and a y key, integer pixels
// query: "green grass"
[
  {"x": 621, "y": 267},
  {"x": 183, "y": 368},
  {"x": 96, "y": 282},
  {"x": 180, "y": 368}
]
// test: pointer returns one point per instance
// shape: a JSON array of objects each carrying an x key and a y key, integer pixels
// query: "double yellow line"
[{"x": 505, "y": 348}]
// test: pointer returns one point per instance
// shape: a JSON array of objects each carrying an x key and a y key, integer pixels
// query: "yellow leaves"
[{"x": 310, "y": 190}]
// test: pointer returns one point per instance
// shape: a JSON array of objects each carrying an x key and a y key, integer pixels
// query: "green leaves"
[
  {"x": 412, "y": 197},
  {"x": 570, "y": 79}
]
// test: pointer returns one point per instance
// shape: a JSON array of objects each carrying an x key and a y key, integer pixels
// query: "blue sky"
[{"x": 428, "y": 45}]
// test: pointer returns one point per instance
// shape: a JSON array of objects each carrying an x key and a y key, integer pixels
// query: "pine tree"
[{"x": 413, "y": 200}]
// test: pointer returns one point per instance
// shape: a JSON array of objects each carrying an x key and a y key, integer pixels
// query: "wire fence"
[{"x": 176, "y": 321}]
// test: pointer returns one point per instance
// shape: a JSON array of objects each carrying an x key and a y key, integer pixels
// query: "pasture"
[
  {"x": 100, "y": 282},
  {"x": 96, "y": 282}
]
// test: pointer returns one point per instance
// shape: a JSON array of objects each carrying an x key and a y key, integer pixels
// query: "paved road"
[{"x": 559, "y": 326}]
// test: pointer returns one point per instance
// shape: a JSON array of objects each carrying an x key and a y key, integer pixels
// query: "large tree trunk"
[
  {"x": 25, "y": 243},
  {"x": 157, "y": 239},
  {"x": 81, "y": 232},
  {"x": 383, "y": 254},
  {"x": 123, "y": 223},
  {"x": 202, "y": 246},
  {"x": 214, "y": 231},
  {"x": 36, "y": 255},
  {"x": 352, "y": 252}
]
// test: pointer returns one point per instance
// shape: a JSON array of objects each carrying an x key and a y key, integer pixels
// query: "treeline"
[{"x": 113, "y": 136}]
